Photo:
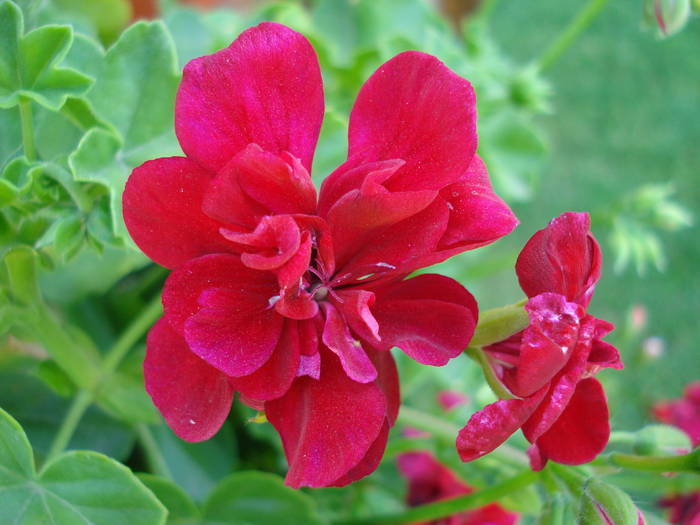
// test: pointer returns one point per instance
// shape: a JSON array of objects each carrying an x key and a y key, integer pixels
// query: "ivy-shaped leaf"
[
  {"x": 252, "y": 498},
  {"x": 29, "y": 63},
  {"x": 76, "y": 487}
]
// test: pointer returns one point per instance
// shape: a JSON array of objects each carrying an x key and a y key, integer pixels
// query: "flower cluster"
[
  {"x": 683, "y": 413},
  {"x": 549, "y": 367},
  {"x": 294, "y": 300}
]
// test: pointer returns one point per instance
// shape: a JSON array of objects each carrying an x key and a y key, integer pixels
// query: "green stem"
[
  {"x": 448, "y": 432},
  {"x": 25, "y": 114},
  {"x": 440, "y": 509},
  {"x": 684, "y": 463},
  {"x": 497, "y": 387},
  {"x": 112, "y": 358},
  {"x": 154, "y": 457},
  {"x": 78, "y": 406},
  {"x": 582, "y": 20}
]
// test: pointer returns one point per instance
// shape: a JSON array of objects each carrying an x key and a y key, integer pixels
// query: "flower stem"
[
  {"x": 440, "y": 509},
  {"x": 582, "y": 20},
  {"x": 111, "y": 361},
  {"x": 684, "y": 463},
  {"x": 154, "y": 457},
  {"x": 76, "y": 410},
  {"x": 25, "y": 115}
]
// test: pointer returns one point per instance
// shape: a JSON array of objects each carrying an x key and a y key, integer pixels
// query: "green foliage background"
[{"x": 612, "y": 127}]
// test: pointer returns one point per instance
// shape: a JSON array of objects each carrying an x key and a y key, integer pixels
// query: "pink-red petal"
[
  {"x": 162, "y": 207},
  {"x": 273, "y": 379},
  {"x": 477, "y": 215},
  {"x": 562, "y": 258},
  {"x": 194, "y": 397},
  {"x": 430, "y": 317},
  {"x": 337, "y": 337},
  {"x": 318, "y": 422},
  {"x": 582, "y": 430},
  {"x": 416, "y": 109},
  {"x": 547, "y": 343},
  {"x": 491, "y": 426},
  {"x": 265, "y": 88}
]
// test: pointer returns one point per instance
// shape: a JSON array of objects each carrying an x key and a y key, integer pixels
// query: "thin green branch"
[
  {"x": 25, "y": 114},
  {"x": 109, "y": 364},
  {"x": 154, "y": 457},
  {"x": 440, "y": 509},
  {"x": 582, "y": 20},
  {"x": 78, "y": 406},
  {"x": 683, "y": 463}
]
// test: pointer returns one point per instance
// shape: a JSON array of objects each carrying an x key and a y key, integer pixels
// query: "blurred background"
[{"x": 609, "y": 124}]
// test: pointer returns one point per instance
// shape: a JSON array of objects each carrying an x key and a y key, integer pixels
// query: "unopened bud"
[
  {"x": 661, "y": 440},
  {"x": 603, "y": 504},
  {"x": 670, "y": 16}
]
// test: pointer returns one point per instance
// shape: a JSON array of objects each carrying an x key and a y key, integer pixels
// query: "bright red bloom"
[
  {"x": 684, "y": 509},
  {"x": 295, "y": 302},
  {"x": 548, "y": 367},
  {"x": 683, "y": 413},
  {"x": 429, "y": 480}
]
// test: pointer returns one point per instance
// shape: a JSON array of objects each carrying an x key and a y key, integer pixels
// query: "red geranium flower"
[
  {"x": 683, "y": 413},
  {"x": 429, "y": 480},
  {"x": 549, "y": 366},
  {"x": 292, "y": 301}
]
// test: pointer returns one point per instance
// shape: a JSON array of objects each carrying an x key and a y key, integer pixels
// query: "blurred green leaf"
[
  {"x": 76, "y": 487},
  {"x": 197, "y": 467},
  {"x": 29, "y": 63},
  {"x": 256, "y": 498},
  {"x": 181, "y": 509}
]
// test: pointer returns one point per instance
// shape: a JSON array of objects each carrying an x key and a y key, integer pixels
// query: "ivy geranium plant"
[{"x": 213, "y": 304}]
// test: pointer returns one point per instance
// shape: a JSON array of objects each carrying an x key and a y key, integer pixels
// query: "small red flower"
[
  {"x": 549, "y": 366},
  {"x": 683, "y": 413},
  {"x": 684, "y": 509},
  {"x": 429, "y": 481},
  {"x": 294, "y": 301}
]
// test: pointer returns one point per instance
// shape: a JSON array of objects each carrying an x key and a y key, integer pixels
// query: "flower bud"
[
  {"x": 661, "y": 440},
  {"x": 670, "y": 16},
  {"x": 603, "y": 504},
  {"x": 498, "y": 324}
]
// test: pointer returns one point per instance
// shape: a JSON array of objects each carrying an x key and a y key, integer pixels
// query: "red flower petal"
[
  {"x": 369, "y": 463},
  {"x": 318, "y": 422},
  {"x": 563, "y": 258},
  {"x": 265, "y": 88},
  {"x": 428, "y": 479},
  {"x": 194, "y": 397},
  {"x": 563, "y": 385},
  {"x": 362, "y": 213},
  {"x": 273, "y": 379},
  {"x": 582, "y": 430},
  {"x": 430, "y": 317},
  {"x": 387, "y": 380},
  {"x": 415, "y": 109},
  {"x": 494, "y": 424},
  {"x": 337, "y": 337},
  {"x": 162, "y": 207},
  {"x": 547, "y": 343},
  {"x": 400, "y": 249},
  {"x": 275, "y": 240},
  {"x": 356, "y": 306},
  {"x": 224, "y": 311},
  {"x": 256, "y": 183},
  {"x": 232, "y": 332},
  {"x": 477, "y": 215}
]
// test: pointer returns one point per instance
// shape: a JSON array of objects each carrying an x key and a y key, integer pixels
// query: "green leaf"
[
  {"x": 180, "y": 507},
  {"x": 11, "y": 136},
  {"x": 256, "y": 498},
  {"x": 40, "y": 412},
  {"x": 124, "y": 398},
  {"x": 77, "y": 487},
  {"x": 20, "y": 263},
  {"x": 198, "y": 467},
  {"x": 99, "y": 159},
  {"x": 29, "y": 63},
  {"x": 135, "y": 92}
]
